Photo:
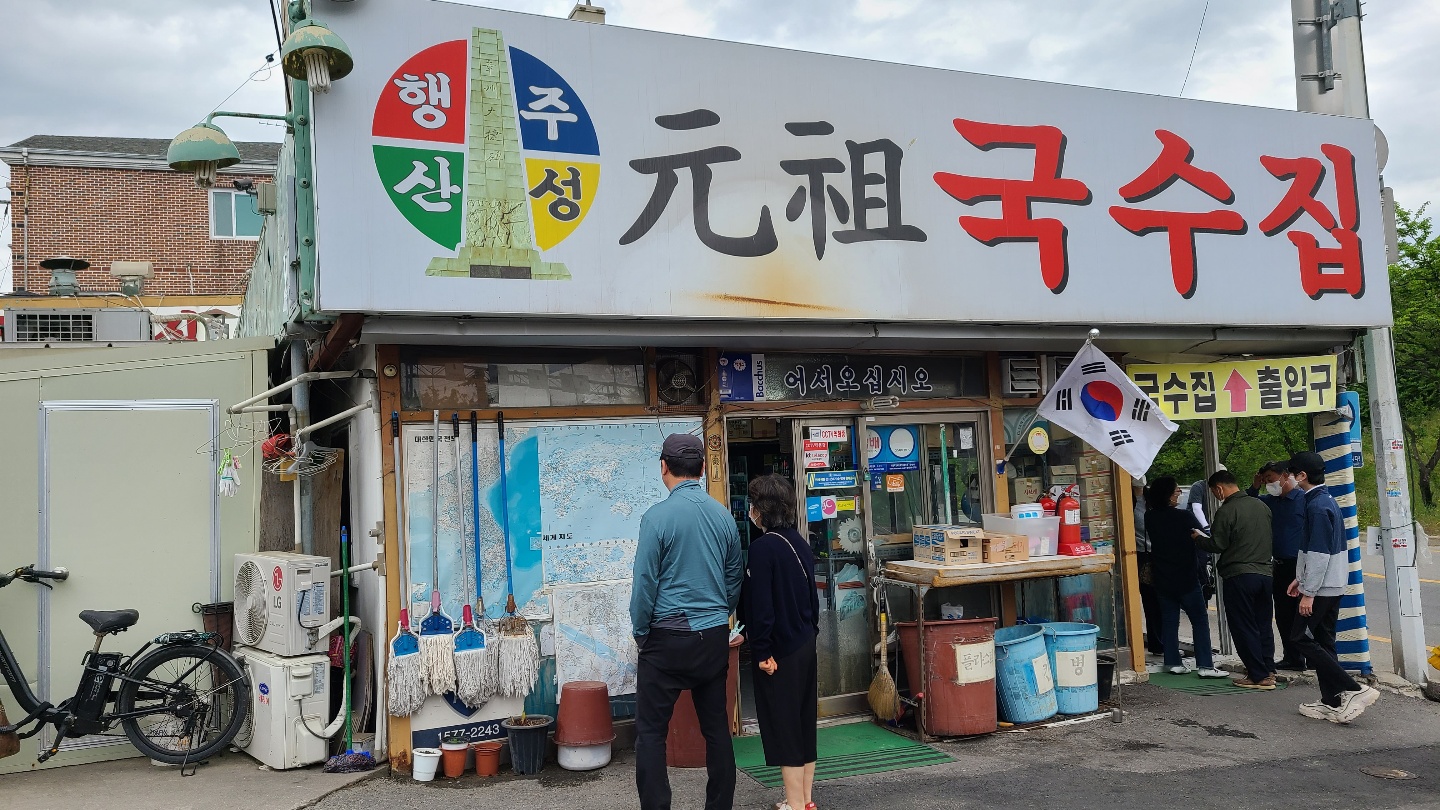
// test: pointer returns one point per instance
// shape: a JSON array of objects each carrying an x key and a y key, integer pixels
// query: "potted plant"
[
  {"x": 529, "y": 737},
  {"x": 453, "y": 749}
]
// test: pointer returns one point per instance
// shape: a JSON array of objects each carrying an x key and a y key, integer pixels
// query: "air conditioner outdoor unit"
[
  {"x": 281, "y": 601},
  {"x": 76, "y": 325},
  {"x": 289, "y": 706}
]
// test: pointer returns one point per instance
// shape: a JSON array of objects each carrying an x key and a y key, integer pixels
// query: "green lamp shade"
[
  {"x": 200, "y": 145},
  {"x": 312, "y": 36}
]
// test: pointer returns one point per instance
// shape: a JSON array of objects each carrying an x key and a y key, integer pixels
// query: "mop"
[
  {"x": 519, "y": 652},
  {"x": 437, "y": 631},
  {"x": 471, "y": 659},
  {"x": 403, "y": 671},
  {"x": 351, "y": 761}
]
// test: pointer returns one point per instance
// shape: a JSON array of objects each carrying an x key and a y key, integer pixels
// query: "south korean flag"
[{"x": 1096, "y": 401}]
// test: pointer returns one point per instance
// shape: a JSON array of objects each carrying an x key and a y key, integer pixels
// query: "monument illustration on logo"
[{"x": 528, "y": 171}]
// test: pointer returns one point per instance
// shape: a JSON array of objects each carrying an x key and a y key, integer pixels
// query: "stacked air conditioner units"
[{"x": 282, "y": 627}]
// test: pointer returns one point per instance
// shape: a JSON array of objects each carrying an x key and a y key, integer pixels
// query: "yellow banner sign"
[{"x": 1244, "y": 388}]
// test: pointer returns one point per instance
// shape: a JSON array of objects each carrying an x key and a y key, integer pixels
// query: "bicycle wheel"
[{"x": 192, "y": 700}]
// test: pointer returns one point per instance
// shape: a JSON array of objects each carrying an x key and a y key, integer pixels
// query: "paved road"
[
  {"x": 1378, "y": 612},
  {"x": 1174, "y": 750}
]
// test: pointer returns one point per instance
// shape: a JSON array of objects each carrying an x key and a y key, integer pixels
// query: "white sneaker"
[
  {"x": 1354, "y": 704},
  {"x": 1212, "y": 672},
  {"x": 1319, "y": 711},
  {"x": 1180, "y": 670}
]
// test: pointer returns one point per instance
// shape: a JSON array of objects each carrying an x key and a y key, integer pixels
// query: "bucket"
[
  {"x": 1022, "y": 674},
  {"x": 584, "y": 728},
  {"x": 487, "y": 757},
  {"x": 423, "y": 763},
  {"x": 684, "y": 744},
  {"x": 528, "y": 742},
  {"x": 1105, "y": 671},
  {"x": 452, "y": 758},
  {"x": 1071, "y": 647},
  {"x": 959, "y": 685}
]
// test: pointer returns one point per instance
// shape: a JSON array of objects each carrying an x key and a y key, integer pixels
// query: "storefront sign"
[
  {"x": 1038, "y": 440},
  {"x": 790, "y": 377},
  {"x": 830, "y": 434},
  {"x": 487, "y": 162},
  {"x": 817, "y": 455},
  {"x": 892, "y": 449},
  {"x": 840, "y": 479},
  {"x": 1244, "y": 388},
  {"x": 1350, "y": 401},
  {"x": 894, "y": 483}
]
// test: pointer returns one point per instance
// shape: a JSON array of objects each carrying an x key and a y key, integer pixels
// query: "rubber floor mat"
[
  {"x": 846, "y": 750},
  {"x": 1193, "y": 684}
]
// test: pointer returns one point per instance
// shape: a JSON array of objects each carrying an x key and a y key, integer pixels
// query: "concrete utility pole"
[{"x": 1330, "y": 78}]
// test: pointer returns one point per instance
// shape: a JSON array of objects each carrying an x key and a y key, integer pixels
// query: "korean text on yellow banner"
[{"x": 1243, "y": 388}]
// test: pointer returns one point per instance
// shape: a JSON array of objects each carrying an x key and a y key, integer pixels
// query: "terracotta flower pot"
[
  {"x": 452, "y": 758},
  {"x": 487, "y": 757}
]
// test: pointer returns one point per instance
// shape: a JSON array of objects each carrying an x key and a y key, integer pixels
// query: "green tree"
[{"x": 1415, "y": 297}]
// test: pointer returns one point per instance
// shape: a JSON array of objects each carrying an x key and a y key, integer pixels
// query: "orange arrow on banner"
[{"x": 1239, "y": 391}]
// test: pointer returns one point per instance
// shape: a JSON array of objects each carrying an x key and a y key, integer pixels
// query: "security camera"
[{"x": 244, "y": 186}]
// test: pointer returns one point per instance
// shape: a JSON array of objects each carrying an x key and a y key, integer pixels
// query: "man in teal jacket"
[{"x": 688, "y": 574}]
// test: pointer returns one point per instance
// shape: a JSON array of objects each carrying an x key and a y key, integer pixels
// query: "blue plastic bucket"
[
  {"x": 1023, "y": 678},
  {"x": 1071, "y": 647}
]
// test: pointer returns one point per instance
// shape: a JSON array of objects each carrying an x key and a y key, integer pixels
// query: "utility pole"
[{"x": 1330, "y": 78}]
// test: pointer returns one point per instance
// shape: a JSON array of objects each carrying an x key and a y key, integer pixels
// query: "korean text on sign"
[{"x": 1249, "y": 388}]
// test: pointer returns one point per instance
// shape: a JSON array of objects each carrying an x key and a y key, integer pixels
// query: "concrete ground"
[
  {"x": 228, "y": 782},
  {"x": 1251, "y": 750}
]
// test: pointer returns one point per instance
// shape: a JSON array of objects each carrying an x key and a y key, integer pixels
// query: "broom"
[
  {"x": 519, "y": 652},
  {"x": 471, "y": 659},
  {"x": 403, "y": 672},
  {"x": 884, "y": 698},
  {"x": 437, "y": 631}
]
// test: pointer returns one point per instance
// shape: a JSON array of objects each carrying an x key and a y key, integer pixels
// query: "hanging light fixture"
[
  {"x": 316, "y": 55},
  {"x": 203, "y": 149}
]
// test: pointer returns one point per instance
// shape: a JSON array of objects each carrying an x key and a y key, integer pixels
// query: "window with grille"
[{"x": 41, "y": 327}]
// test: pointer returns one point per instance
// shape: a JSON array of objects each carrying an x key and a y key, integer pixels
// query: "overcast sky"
[{"x": 153, "y": 68}]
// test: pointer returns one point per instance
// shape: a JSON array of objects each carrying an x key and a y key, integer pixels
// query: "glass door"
[
  {"x": 926, "y": 470},
  {"x": 831, "y": 492}
]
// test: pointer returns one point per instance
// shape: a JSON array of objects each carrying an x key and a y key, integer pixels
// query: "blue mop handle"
[
  {"x": 505, "y": 506},
  {"x": 475, "y": 501}
]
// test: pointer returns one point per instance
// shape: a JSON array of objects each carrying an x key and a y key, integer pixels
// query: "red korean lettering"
[
  {"x": 1015, "y": 223},
  {"x": 1318, "y": 265},
  {"x": 1173, "y": 164}
]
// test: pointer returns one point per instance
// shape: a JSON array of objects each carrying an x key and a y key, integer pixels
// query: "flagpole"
[{"x": 1035, "y": 417}]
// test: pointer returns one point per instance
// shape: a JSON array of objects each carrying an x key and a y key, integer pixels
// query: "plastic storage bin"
[
  {"x": 1023, "y": 676},
  {"x": 1071, "y": 647},
  {"x": 1044, "y": 532}
]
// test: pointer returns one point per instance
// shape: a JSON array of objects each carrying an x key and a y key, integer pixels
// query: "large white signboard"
[{"x": 487, "y": 162}]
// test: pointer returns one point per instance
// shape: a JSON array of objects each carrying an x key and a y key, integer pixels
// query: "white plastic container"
[
  {"x": 585, "y": 757},
  {"x": 424, "y": 762},
  {"x": 1044, "y": 532},
  {"x": 1025, "y": 511}
]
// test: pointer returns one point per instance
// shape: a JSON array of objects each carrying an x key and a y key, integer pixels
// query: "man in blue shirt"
[
  {"x": 688, "y": 573},
  {"x": 1276, "y": 487}
]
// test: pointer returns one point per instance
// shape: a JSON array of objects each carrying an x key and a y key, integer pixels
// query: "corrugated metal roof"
[{"x": 250, "y": 151}]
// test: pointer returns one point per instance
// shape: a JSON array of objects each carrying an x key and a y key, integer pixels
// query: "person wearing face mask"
[
  {"x": 1275, "y": 486},
  {"x": 780, "y": 608}
]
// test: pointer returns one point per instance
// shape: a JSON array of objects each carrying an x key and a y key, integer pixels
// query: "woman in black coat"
[
  {"x": 1177, "y": 567},
  {"x": 780, "y": 608}
]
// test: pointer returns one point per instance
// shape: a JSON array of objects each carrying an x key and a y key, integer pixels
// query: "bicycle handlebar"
[{"x": 31, "y": 574}]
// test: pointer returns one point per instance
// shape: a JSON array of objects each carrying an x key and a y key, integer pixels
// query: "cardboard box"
[
  {"x": 1027, "y": 490},
  {"x": 1101, "y": 528},
  {"x": 1063, "y": 469},
  {"x": 1096, "y": 484},
  {"x": 949, "y": 545},
  {"x": 1006, "y": 547},
  {"x": 1092, "y": 463},
  {"x": 1097, "y": 506}
]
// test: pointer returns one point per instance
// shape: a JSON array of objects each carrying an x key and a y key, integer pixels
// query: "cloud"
[{"x": 97, "y": 67}]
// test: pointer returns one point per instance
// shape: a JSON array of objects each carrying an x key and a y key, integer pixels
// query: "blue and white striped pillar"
[{"x": 1332, "y": 442}]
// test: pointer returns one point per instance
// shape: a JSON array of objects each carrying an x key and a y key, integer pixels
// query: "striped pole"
[{"x": 1352, "y": 636}]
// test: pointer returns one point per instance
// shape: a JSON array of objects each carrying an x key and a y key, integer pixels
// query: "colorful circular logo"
[{"x": 1102, "y": 400}]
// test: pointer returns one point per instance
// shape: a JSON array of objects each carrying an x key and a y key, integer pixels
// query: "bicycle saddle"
[{"x": 109, "y": 621}]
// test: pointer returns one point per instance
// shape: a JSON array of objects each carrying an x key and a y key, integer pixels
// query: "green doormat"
[
  {"x": 847, "y": 750},
  {"x": 1193, "y": 684}
]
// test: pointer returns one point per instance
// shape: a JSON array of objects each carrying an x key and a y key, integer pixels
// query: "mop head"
[
  {"x": 438, "y": 658},
  {"x": 351, "y": 762},
  {"x": 519, "y": 664},
  {"x": 407, "y": 685},
  {"x": 475, "y": 676}
]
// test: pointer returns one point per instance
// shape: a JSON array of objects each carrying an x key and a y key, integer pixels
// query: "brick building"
[{"x": 115, "y": 199}]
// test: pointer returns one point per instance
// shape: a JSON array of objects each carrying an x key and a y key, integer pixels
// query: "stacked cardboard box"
[
  {"x": 1006, "y": 547},
  {"x": 949, "y": 545}
]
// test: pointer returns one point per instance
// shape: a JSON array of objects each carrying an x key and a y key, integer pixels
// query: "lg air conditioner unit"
[
  {"x": 289, "y": 705},
  {"x": 281, "y": 602}
]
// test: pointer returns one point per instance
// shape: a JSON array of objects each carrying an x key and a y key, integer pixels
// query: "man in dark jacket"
[
  {"x": 1321, "y": 573},
  {"x": 1287, "y": 522},
  {"x": 1240, "y": 534}
]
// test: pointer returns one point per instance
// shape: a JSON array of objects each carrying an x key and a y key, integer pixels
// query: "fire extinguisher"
[
  {"x": 1047, "y": 504},
  {"x": 1069, "y": 509}
]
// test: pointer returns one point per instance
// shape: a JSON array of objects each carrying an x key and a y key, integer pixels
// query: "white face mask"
[{"x": 1274, "y": 489}]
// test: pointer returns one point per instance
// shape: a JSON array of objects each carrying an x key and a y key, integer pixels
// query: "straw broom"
[{"x": 884, "y": 697}]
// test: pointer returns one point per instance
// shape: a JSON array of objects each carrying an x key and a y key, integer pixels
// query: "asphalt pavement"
[
  {"x": 1377, "y": 610},
  {"x": 1237, "y": 751}
]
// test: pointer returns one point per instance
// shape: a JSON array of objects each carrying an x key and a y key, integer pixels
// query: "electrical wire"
[
  {"x": 1195, "y": 48},
  {"x": 266, "y": 68}
]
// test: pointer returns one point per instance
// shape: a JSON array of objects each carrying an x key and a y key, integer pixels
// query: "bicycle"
[{"x": 180, "y": 698}]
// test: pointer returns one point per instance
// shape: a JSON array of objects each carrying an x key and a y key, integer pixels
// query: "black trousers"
[
  {"x": 672, "y": 661},
  {"x": 1286, "y": 608},
  {"x": 1150, "y": 605},
  {"x": 1248, "y": 610},
  {"x": 1314, "y": 637}
]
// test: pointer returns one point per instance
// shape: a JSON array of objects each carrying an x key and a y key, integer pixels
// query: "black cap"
[{"x": 683, "y": 445}]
